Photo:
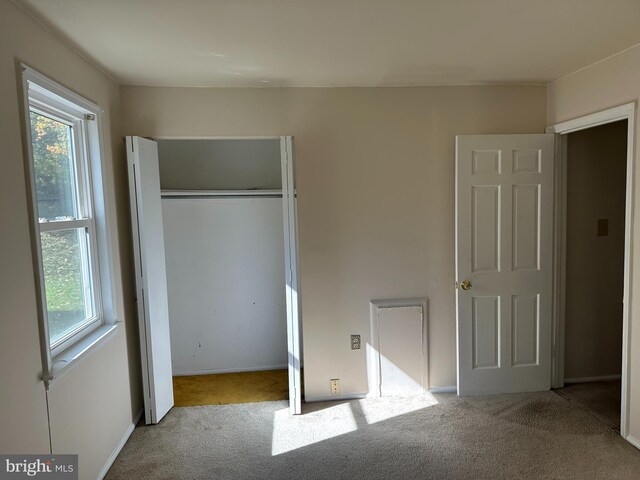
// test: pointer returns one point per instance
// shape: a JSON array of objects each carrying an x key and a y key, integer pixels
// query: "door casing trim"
[{"x": 621, "y": 112}]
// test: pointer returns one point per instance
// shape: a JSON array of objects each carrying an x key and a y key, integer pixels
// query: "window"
[{"x": 64, "y": 143}]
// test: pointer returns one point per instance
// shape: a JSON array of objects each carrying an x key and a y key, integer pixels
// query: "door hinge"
[{"x": 89, "y": 116}]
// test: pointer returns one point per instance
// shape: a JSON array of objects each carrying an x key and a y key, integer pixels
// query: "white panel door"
[
  {"x": 504, "y": 235},
  {"x": 291, "y": 262},
  {"x": 151, "y": 279},
  {"x": 400, "y": 333}
]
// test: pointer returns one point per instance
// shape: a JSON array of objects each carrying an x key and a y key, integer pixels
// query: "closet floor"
[{"x": 227, "y": 388}]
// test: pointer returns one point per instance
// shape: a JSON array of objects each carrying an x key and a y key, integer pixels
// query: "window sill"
[{"x": 65, "y": 361}]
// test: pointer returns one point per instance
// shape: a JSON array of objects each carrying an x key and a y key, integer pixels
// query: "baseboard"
[
  {"x": 601, "y": 378},
  {"x": 453, "y": 389},
  {"x": 119, "y": 447},
  {"x": 633, "y": 441},
  {"x": 138, "y": 417},
  {"x": 283, "y": 366},
  {"x": 335, "y": 398}
]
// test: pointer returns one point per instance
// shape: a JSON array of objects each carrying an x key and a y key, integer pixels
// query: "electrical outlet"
[
  {"x": 355, "y": 342},
  {"x": 334, "y": 384}
]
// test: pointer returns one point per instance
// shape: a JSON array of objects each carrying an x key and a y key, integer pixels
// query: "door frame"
[
  {"x": 622, "y": 112},
  {"x": 292, "y": 262}
]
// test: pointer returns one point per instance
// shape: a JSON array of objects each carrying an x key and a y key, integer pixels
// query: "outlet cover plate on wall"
[{"x": 334, "y": 385}]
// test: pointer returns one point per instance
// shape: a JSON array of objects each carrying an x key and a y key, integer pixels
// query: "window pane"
[
  {"x": 55, "y": 176},
  {"x": 66, "y": 279}
]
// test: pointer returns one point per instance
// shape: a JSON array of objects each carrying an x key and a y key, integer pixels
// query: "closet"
[
  {"x": 222, "y": 218},
  {"x": 215, "y": 241}
]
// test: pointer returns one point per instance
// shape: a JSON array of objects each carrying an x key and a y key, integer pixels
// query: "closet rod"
[{"x": 220, "y": 193}]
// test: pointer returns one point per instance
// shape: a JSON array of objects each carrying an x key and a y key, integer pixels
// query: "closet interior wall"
[{"x": 223, "y": 228}]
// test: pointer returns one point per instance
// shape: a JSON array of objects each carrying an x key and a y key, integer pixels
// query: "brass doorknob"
[{"x": 465, "y": 285}]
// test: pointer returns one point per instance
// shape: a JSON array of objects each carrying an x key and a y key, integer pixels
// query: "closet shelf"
[{"x": 220, "y": 193}]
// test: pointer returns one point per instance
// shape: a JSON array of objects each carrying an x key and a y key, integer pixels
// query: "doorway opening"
[
  {"x": 594, "y": 175},
  {"x": 596, "y": 163},
  {"x": 223, "y": 233}
]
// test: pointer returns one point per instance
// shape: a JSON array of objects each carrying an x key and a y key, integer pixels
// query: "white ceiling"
[{"x": 341, "y": 42}]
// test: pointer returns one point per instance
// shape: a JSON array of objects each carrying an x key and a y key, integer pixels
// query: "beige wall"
[
  {"x": 375, "y": 173},
  {"x": 609, "y": 83},
  {"x": 91, "y": 406},
  {"x": 596, "y": 175}
]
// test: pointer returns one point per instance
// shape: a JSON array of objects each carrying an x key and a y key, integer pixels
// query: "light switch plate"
[{"x": 603, "y": 227}]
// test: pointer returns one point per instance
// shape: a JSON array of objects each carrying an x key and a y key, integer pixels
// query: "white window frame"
[
  {"x": 53, "y": 100},
  {"x": 82, "y": 171}
]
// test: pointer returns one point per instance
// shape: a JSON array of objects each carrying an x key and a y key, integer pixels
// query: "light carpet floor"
[
  {"x": 225, "y": 388},
  {"x": 600, "y": 398},
  {"x": 442, "y": 436}
]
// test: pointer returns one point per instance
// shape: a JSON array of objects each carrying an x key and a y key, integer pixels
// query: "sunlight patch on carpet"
[
  {"x": 291, "y": 432},
  {"x": 380, "y": 409},
  {"x": 323, "y": 421}
]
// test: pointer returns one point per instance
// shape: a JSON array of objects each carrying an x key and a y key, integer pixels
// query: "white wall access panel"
[
  {"x": 397, "y": 353},
  {"x": 151, "y": 284},
  {"x": 504, "y": 234},
  {"x": 225, "y": 271}
]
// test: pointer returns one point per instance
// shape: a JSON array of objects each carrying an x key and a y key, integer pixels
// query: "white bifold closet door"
[
  {"x": 148, "y": 233},
  {"x": 291, "y": 268},
  {"x": 151, "y": 277}
]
